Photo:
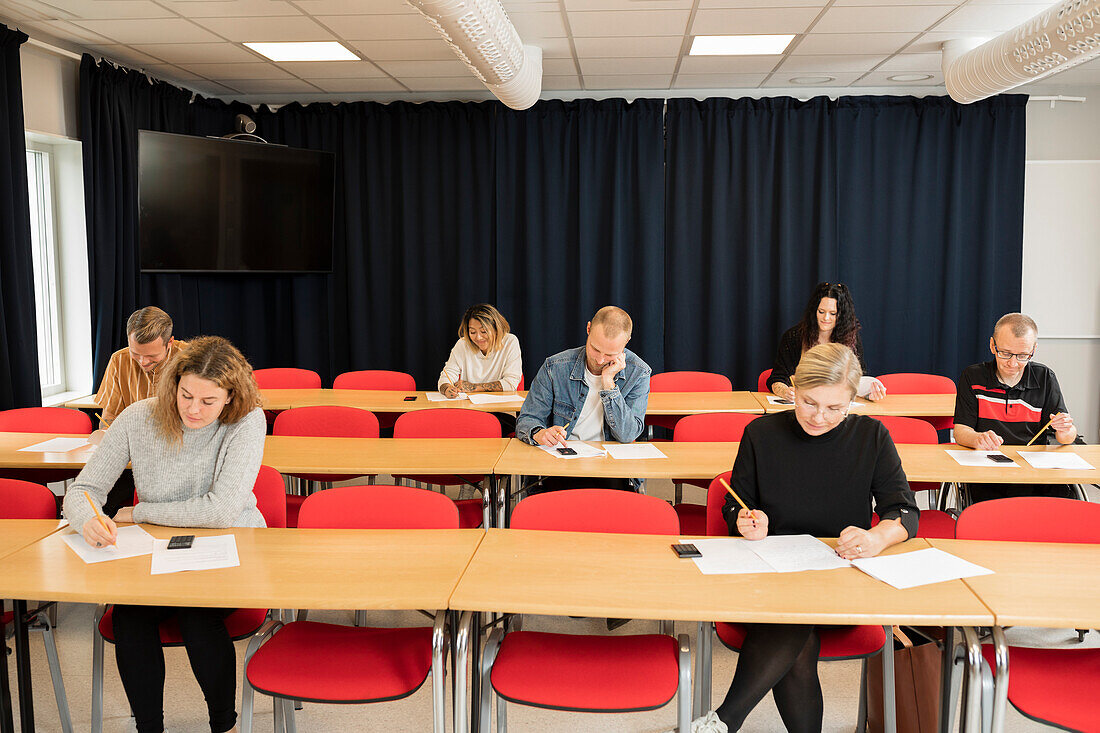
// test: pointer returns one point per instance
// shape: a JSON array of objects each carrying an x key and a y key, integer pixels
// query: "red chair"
[
  {"x": 837, "y": 642},
  {"x": 285, "y": 378},
  {"x": 933, "y": 523},
  {"x": 1053, "y": 686},
  {"x": 327, "y": 421},
  {"x": 43, "y": 420},
  {"x": 26, "y": 500},
  {"x": 684, "y": 382},
  {"x": 715, "y": 426},
  {"x": 915, "y": 383},
  {"x": 377, "y": 379},
  {"x": 241, "y": 624},
  {"x": 762, "y": 381},
  {"x": 604, "y": 674},
  {"x": 452, "y": 422},
  {"x": 319, "y": 662}
]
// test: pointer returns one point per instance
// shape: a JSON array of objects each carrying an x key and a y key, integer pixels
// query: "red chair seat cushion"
[
  {"x": 693, "y": 518},
  {"x": 936, "y": 525},
  {"x": 837, "y": 642},
  {"x": 470, "y": 513},
  {"x": 1054, "y": 685},
  {"x": 240, "y": 624},
  {"x": 598, "y": 673},
  {"x": 318, "y": 662}
]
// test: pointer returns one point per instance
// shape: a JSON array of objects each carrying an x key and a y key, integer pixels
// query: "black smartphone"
[
  {"x": 181, "y": 542},
  {"x": 781, "y": 401},
  {"x": 567, "y": 451},
  {"x": 999, "y": 458},
  {"x": 411, "y": 398},
  {"x": 686, "y": 551}
]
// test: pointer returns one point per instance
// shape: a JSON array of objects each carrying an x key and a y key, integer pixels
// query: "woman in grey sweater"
[{"x": 195, "y": 450}]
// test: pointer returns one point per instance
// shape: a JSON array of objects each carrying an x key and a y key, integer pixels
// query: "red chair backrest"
[
  {"x": 44, "y": 420},
  {"x": 327, "y": 421},
  {"x": 596, "y": 510},
  {"x": 716, "y": 499},
  {"x": 915, "y": 383},
  {"x": 909, "y": 429},
  {"x": 712, "y": 426},
  {"x": 287, "y": 378},
  {"x": 762, "y": 381},
  {"x": 26, "y": 500},
  {"x": 519, "y": 387},
  {"x": 375, "y": 379},
  {"x": 1031, "y": 519},
  {"x": 447, "y": 422},
  {"x": 270, "y": 494},
  {"x": 378, "y": 506},
  {"x": 689, "y": 382}
]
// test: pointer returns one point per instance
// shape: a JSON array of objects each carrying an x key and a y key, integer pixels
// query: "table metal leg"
[
  {"x": 462, "y": 662},
  {"x": 23, "y": 668},
  {"x": 7, "y": 719},
  {"x": 475, "y": 672},
  {"x": 947, "y": 671},
  {"x": 1000, "y": 679},
  {"x": 972, "y": 708},
  {"x": 489, "y": 500}
]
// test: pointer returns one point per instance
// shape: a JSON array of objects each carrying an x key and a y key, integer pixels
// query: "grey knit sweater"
[{"x": 204, "y": 482}]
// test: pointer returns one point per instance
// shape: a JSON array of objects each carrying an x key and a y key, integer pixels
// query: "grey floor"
[{"x": 185, "y": 709}]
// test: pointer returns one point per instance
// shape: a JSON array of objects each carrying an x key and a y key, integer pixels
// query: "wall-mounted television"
[{"x": 216, "y": 205}]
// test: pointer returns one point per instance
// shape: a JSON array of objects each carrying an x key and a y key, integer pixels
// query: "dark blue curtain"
[
  {"x": 917, "y": 204},
  {"x": 19, "y": 381},
  {"x": 580, "y": 223}
]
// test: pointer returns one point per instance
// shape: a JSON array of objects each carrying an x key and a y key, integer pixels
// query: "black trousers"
[
  {"x": 140, "y": 659},
  {"x": 120, "y": 495}
]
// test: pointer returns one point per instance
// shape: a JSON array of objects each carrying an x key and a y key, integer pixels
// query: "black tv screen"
[{"x": 210, "y": 205}]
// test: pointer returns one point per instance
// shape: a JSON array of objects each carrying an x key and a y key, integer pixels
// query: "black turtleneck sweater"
[{"x": 821, "y": 484}]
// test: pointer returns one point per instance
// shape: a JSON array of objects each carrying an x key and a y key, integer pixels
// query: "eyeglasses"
[
  {"x": 1008, "y": 355},
  {"x": 830, "y": 413}
]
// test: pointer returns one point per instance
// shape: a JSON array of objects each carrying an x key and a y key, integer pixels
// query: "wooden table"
[
  {"x": 465, "y": 456},
  {"x": 696, "y": 403},
  {"x": 904, "y": 405},
  {"x": 375, "y": 400},
  {"x": 931, "y": 463},
  {"x": 12, "y": 457},
  {"x": 685, "y": 460},
  {"x": 87, "y": 402}
]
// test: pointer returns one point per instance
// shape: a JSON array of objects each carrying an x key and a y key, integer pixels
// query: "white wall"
[{"x": 50, "y": 102}]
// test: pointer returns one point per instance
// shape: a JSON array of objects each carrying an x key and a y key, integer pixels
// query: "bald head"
[
  {"x": 1017, "y": 324},
  {"x": 614, "y": 321}
]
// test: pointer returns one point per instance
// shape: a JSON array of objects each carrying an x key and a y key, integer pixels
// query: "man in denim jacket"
[{"x": 596, "y": 392}]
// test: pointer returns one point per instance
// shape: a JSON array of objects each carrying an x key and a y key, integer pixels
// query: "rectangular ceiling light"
[
  {"x": 312, "y": 51},
  {"x": 739, "y": 45}
]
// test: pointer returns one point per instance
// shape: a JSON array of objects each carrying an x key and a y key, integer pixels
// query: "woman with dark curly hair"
[{"x": 829, "y": 317}]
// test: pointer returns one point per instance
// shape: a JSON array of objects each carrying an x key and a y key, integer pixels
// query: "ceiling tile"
[
  {"x": 753, "y": 20},
  {"x": 718, "y": 81},
  {"x": 568, "y": 82},
  {"x": 931, "y": 42},
  {"x": 403, "y": 69},
  {"x": 468, "y": 83},
  {"x": 845, "y": 43},
  {"x": 572, "y": 5},
  {"x": 263, "y": 86},
  {"x": 841, "y": 3},
  {"x": 608, "y": 67},
  {"x": 903, "y": 62},
  {"x": 880, "y": 19},
  {"x": 332, "y": 69},
  {"x": 68, "y": 31},
  {"x": 228, "y": 8},
  {"x": 828, "y": 64},
  {"x": 190, "y": 53},
  {"x": 602, "y": 24},
  {"x": 155, "y": 30},
  {"x": 169, "y": 73},
  {"x": 879, "y": 79},
  {"x": 628, "y": 81},
  {"x": 257, "y": 70},
  {"x": 356, "y": 7},
  {"x": 531, "y": 6},
  {"x": 106, "y": 9},
  {"x": 379, "y": 84},
  {"x": 713, "y": 4},
  {"x": 211, "y": 89},
  {"x": 409, "y": 27},
  {"x": 558, "y": 67},
  {"x": 728, "y": 64},
  {"x": 436, "y": 49},
  {"x": 298, "y": 28},
  {"x": 986, "y": 19},
  {"x": 782, "y": 80},
  {"x": 124, "y": 55},
  {"x": 18, "y": 12},
  {"x": 533, "y": 27},
  {"x": 636, "y": 46},
  {"x": 555, "y": 48}
]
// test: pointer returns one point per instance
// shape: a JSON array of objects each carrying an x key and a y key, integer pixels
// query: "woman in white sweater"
[
  {"x": 486, "y": 357},
  {"x": 195, "y": 449}
]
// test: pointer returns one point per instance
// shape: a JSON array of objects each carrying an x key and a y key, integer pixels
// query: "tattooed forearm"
[{"x": 480, "y": 386}]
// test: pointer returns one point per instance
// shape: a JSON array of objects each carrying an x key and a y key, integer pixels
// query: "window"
[{"x": 44, "y": 257}]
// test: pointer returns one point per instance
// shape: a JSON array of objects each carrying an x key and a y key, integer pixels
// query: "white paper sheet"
[
  {"x": 727, "y": 556},
  {"x": 56, "y": 445},
  {"x": 979, "y": 458},
  {"x": 583, "y": 450},
  {"x": 633, "y": 451},
  {"x": 921, "y": 567},
  {"x": 773, "y": 400},
  {"x": 797, "y": 552},
  {"x": 437, "y": 397},
  {"x": 1055, "y": 459},
  {"x": 481, "y": 398},
  {"x": 132, "y": 542},
  {"x": 206, "y": 553}
]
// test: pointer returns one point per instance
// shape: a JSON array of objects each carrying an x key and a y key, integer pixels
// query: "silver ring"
[
  {"x": 99, "y": 544},
  {"x": 859, "y": 549}
]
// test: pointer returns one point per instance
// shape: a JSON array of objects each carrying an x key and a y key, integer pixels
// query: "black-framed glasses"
[{"x": 1008, "y": 355}]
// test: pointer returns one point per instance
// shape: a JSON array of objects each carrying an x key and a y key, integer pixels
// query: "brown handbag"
[{"x": 916, "y": 686}]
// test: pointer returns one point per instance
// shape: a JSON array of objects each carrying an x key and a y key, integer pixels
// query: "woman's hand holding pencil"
[
  {"x": 99, "y": 531},
  {"x": 751, "y": 523}
]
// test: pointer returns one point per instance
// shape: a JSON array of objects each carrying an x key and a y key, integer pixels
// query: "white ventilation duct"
[
  {"x": 482, "y": 36},
  {"x": 1061, "y": 37}
]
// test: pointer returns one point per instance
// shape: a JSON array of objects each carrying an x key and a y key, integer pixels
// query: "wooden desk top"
[
  {"x": 1051, "y": 585},
  {"x": 638, "y": 576},
  {"x": 695, "y": 403},
  {"x": 472, "y": 456},
  {"x": 15, "y": 534},
  {"x": 87, "y": 402},
  {"x": 931, "y": 463},
  {"x": 904, "y": 405},
  {"x": 685, "y": 460},
  {"x": 12, "y": 457},
  {"x": 375, "y": 400},
  {"x": 280, "y": 568}
]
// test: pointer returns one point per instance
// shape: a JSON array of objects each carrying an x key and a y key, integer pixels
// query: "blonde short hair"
[
  {"x": 826, "y": 365},
  {"x": 1018, "y": 323},
  {"x": 148, "y": 324},
  {"x": 614, "y": 321},
  {"x": 212, "y": 358},
  {"x": 493, "y": 320}
]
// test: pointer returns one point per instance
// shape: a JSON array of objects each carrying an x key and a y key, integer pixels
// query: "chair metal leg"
[
  {"x": 950, "y": 680},
  {"x": 279, "y": 717},
  {"x": 487, "y": 495},
  {"x": 439, "y": 678},
  {"x": 248, "y": 693},
  {"x": 889, "y": 713},
  {"x": 55, "y": 674},
  {"x": 502, "y": 715},
  {"x": 462, "y": 659},
  {"x": 972, "y": 682},
  {"x": 666, "y": 627},
  {"x": 492, "y": 646},
  {"x": 702, "y": 669},
  {"x": 684, "y": 692},
  {"x": 290, "y": 724},
  {"x": 360, "y": 618},
  {"x": 1000, "y": 684},
  {"x": 97, "y": 671},
  {"x": 861, "y": 718}
]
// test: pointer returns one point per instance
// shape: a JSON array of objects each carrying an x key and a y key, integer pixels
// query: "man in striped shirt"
[
  {"x": 1009, "y": 400},
  {"x": 131, "y": 373}
]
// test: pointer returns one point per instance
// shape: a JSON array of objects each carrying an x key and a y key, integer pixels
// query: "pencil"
[
  {"x": 100, "y": 416},
  {"x": 1042, "y": 430},
  {"x": 738, "y": 498},
  {"x": 448, "y": 376},
  {"x": 98, "y": 515}
]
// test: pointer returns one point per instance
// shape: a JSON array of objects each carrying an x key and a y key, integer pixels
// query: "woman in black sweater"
[
  {"x": 829, "y": 317},
  {"x": 812, "y": 470}
]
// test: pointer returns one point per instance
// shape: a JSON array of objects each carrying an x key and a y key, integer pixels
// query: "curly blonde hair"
[{"x": 213, "y": 358}]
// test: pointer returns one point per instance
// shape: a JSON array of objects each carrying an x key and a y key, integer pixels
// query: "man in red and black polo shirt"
[{"x": 1008, "y": 400}]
